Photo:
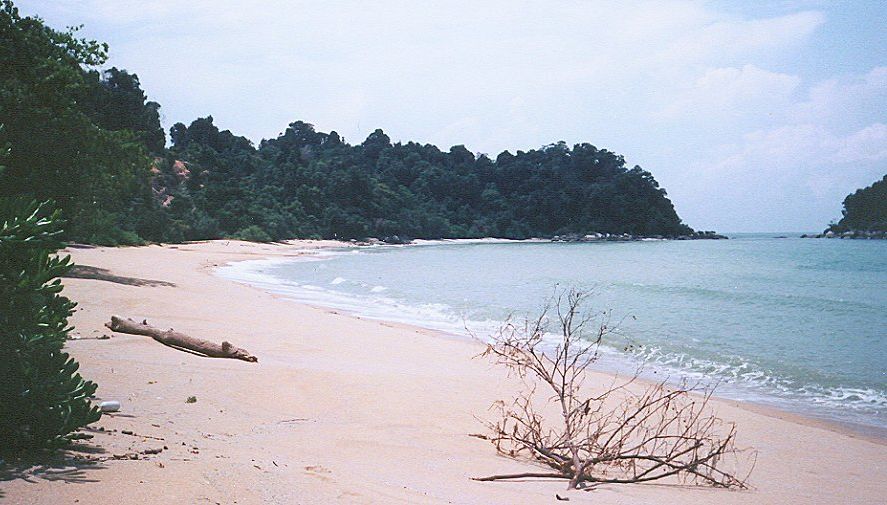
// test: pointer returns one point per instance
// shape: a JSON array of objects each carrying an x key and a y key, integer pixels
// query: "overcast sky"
[{"x": 754, "y": 115}]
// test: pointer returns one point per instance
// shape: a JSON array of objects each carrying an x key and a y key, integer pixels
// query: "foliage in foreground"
[
  {"x": 590, "y": 434},
  {"x": 43, "y": 399}
]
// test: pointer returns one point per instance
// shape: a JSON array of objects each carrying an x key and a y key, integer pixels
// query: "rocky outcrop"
[
  {"x": 166, "y": 177},
  {"x": 850, "y": 234},
  {"x": 627, "y": 237}
]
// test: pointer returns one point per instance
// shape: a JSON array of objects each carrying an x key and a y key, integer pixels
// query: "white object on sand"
[{"x": 110, "y": 406}]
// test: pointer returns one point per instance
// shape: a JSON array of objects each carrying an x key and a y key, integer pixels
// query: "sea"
[{"x": 795, "y": 324}]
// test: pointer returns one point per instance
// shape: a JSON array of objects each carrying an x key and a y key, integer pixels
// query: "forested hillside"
[
  {"x": 865, "y": 210},
  {"x": 93, "y": 141}
]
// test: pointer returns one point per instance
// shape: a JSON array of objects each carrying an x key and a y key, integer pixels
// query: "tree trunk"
[{"x": 178, "y": 340}]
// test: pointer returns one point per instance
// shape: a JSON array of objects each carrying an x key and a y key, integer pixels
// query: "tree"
[
  {"x": 116, "y": 102},
  {"x": 309, "y": 183},
  {"x": 613, "y": 433},
  {"x": 58, "y": 149},
  {"x": 865, "y": 209},
  {"x": 43, "y": 399},
  {"x": 91, "y": 141}
]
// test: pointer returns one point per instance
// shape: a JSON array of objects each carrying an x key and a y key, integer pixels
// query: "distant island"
[
  {"x": 865, "y": 215},
  {"x": 93, "y": 142}
]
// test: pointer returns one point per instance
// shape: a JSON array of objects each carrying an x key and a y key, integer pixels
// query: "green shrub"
[
  {"x": 43, "y": 399},
  {"x": 253, "y": 233},
  {"x": 100, "y": 227}
]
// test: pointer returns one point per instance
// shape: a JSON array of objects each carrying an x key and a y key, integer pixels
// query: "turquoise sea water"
[{"x": 794, "y": 323}]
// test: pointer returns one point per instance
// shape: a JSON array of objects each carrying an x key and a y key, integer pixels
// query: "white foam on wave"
[{"x": 743, "y": 380}]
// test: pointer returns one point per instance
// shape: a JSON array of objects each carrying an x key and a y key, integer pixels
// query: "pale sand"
[{"x": 343, "y": 410}]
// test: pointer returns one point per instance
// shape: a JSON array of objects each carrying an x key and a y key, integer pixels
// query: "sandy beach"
[{"x": 340, "y": 409}]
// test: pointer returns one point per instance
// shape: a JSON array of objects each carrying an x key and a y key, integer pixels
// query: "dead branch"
[
  {"x": 180, "y": 341},
  {"x": 621, "y": 434}
]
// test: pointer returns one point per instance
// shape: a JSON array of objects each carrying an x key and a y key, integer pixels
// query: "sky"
[{"x": 754, "y": 115}]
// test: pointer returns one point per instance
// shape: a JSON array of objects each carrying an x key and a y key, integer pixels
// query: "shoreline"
[
  {"x": 338, "y": 409},
  {"x": 875, "y": 434}
]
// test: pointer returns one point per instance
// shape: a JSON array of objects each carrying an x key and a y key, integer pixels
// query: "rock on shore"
[
  {"x": 851, "y": 234},
  {"x": 627, "y": 237}
]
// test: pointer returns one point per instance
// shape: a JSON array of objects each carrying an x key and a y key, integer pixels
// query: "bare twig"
[{"x": 617, "y": 435}]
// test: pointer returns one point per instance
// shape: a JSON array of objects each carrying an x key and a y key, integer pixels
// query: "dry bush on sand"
[{"x": 625, "y": 433}]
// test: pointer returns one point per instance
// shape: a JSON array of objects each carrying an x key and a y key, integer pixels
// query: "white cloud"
[
  {"x": 844, "y": 100},
  {"x": 743, "y": 37},
  {"x": 838, "y": 122},
  {"x": 733, "y": 91},
  {"x": 446, "y": 60},
  {"x": 867, "y": 144},
  {"x": 793, "y": 148},
  {"x": 785, "y": 174},
  {"x": 713, "y": 102}
]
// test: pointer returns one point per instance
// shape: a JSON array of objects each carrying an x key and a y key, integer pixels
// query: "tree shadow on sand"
[
  {"x": 102, "y": 274},
  {"x": 73, "y": 465}
]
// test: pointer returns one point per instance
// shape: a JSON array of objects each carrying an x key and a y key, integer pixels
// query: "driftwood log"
[{"x": 178, "y": 340}]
